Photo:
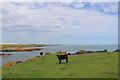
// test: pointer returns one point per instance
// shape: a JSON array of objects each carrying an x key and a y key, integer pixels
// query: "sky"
[{"x": 83, "y": 23}]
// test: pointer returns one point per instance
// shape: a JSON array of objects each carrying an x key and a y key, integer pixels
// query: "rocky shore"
[
  {"x": 83, "y": 51},
  {"x": 5, "y": 54}
]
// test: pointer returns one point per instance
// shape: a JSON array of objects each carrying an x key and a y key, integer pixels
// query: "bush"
[
  {"x": 81, "y": 52},
  {"x": 118, "y": 50},
  {"x": 47, "y": 53},
  {"x": 64, "y": 53},
  {"x": 59, "y": 52},
  {"x": 105, "y": 50}
]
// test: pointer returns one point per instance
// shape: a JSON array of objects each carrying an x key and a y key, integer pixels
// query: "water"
[
  {"x": 75, "y": 48},
  {"x": 52, "y": 49}
]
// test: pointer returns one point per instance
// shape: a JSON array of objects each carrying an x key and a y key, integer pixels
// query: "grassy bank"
[
  {"x": 23, "y": 45},
  {"x": 97, "y": 65}
]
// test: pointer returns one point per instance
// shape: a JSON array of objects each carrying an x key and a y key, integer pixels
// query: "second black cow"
[
  {"x": 41, "y": 54},
  {"x": 62, "y": 57}
]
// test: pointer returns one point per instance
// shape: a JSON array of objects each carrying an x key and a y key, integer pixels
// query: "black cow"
[
  {"x": 62, "y": 57},
  {"x": 41, "y": 53}
]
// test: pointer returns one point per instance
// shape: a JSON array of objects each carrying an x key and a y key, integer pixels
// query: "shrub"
[
  {"x": 59, "y": 52},
  {"x": 34, "y": 57},
  {"x": 12, "y": 63},
  {"x": 81, "y": 52},
  {"x": 64, "y": 53},
  {"x": 7, "y": 64},
  {"x": 105, "y": 50},
  {"x": 47, "y": 53},
  {"x": 118, "y": 50}
]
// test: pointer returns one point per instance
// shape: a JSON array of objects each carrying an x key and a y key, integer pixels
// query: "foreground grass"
[
  {"x": 119, "y": 66},
  {"x": 99, "y": 65},
  {"x": 0, "y": 72}
]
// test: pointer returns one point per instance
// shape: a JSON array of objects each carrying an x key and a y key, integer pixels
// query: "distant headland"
[{"x": 13, "y": 47}]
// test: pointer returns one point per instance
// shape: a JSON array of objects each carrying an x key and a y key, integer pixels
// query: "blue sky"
[{"x": 84, "y": 23}]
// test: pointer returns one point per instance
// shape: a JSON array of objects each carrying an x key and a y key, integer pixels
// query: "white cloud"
[
  {"x": 54, "y": 21},
  {"x": 78, "y": 5},
  {"x": 106, "y": 6},
  {"x": 66, "y": 3}
]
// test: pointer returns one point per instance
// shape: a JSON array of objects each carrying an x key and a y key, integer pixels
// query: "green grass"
[
  {"x": 0, "y": 72},
  {"x": 99, "y": 65},
  {"x": 119, "y": 66}
]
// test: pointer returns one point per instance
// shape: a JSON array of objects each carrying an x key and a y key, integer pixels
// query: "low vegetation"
[
  {"x": 23, "y": 45},
  {"x": 59, "y": 52},
  {"x": 20, "y": 47},
  {"x": 47, "y": 53}
]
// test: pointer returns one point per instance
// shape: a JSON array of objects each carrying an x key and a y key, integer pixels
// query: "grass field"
[{"x": 93, "y": 65}]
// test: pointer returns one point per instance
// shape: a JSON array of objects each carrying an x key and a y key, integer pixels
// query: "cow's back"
[{"x": 62, "y": 56}]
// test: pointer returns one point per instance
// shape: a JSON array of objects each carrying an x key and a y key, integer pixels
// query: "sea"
[{"x": 53, "y": 49}]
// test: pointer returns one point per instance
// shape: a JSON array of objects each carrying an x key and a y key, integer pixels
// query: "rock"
[
  {"x": 81, "y": 52},
  {"x": 97, "y": 51},
  {"x": 105, "y": 50},
  {"x": 118, "y": 50},
  {"x": 4, "y": 54}
]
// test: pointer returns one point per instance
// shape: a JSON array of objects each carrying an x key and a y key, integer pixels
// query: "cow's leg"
[
  {"x": 59, "y": 61},
  {"x": 40, "y": 55},
  {"x": 66, "y": 60}
]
